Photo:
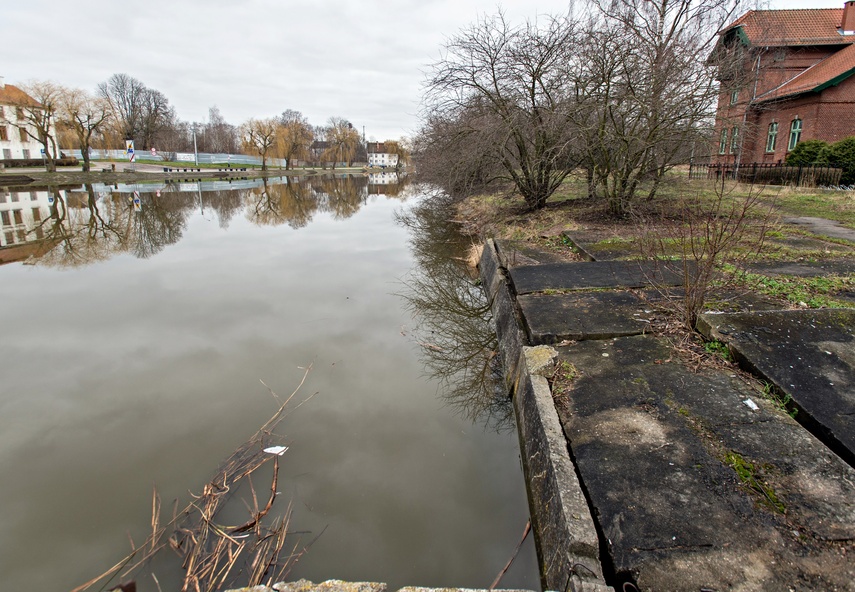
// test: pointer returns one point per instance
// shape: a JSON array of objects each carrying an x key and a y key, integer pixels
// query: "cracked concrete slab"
[
  {"x": 586, "y": 275},
  {"x": 552, "y": 318},
  {"x": 809, "y": 355},
  {"x": 649, "y": 439}
]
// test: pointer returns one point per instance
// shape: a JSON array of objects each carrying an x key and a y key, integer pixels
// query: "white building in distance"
[
  {"x": 379, "y": 157},
  {"x": 14, "y": 141}
]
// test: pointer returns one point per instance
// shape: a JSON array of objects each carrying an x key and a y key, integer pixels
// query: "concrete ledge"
[{"x": 567, "y": 541}]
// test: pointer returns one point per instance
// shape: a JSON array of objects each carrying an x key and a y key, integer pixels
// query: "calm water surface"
[{"x": 132, "y": 354}]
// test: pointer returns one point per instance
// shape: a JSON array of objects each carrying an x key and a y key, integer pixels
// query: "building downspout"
[{"x": 745, "y": 114}]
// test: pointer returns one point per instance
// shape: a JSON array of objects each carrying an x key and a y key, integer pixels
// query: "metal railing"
[{"x": 811, "y": 175}]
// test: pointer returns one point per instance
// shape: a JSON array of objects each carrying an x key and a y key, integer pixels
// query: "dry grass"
[{"x": 216, "y": 555}]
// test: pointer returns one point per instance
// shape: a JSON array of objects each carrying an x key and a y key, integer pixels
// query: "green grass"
[
  {"x": 717, "y": 348},
  {"x": 749, "y": 475},
  {"x": 813, "y": 292}
]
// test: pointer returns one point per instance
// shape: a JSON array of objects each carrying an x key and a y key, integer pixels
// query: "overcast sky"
[{"x": 359, "y": 59}]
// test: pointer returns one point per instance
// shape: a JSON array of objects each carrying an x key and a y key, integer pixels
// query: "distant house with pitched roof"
[
  {"x": 379, "y": 155},
  {"x": 788, "y": 78},
  {"x": 15, "y": 142}
]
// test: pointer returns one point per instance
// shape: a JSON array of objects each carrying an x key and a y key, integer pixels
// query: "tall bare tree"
[
  {"x": 259, "y": 137},
  {"x": 499, "y": 96},
  {"x": 84, "y": 116},
  {"x": 34, "y": 116},
  {"x": 644, "y": 90},
  {"x": 295, "y": 138},
  {"x": 140, "y": 112},
  {"x": 343, "y": 141},
  {"x": 218, "y": 135}
]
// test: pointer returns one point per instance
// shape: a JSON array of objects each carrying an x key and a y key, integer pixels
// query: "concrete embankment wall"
[{"x": 567, "y": 541}]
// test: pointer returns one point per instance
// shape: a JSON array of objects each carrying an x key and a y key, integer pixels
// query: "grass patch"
[
  {"x": 810, "y": 292},
  {"x": 782, "y": 401},
  {"x": 718, "y": 348},
  {"x": 750, "y": 476}
]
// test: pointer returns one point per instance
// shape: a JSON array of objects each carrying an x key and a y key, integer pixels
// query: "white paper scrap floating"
[
  {"x": 277, "y": 450},
  {"x": 751, "y": 404}
]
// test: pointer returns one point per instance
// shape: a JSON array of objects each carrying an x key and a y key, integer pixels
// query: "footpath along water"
[{"x": 136, "y": 329}]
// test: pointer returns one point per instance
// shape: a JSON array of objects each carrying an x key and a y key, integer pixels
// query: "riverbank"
[{"x": 650, "y": 459}]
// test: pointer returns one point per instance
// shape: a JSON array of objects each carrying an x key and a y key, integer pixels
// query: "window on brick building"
[
  {"x": 772, "y": 137},
  {"x": 795, "y": 133},
  {"x": 722, "y": 143},
  {"x": 734, "y": 140},
  {"x": 734, "y": 96},
  {"x": 25, "y": 152}
]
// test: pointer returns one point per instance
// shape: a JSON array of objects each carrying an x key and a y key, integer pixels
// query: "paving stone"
[
  {"x": 585, "y": 275},
  {"x": 648, "y": 438},
  {"x": 805, "y": 268},
  {"x": 554, "y": 318},
  {"x": 823, "y": 226},
  {"x": 809, "y": 355},
  {"x": 517, "y": 253}
]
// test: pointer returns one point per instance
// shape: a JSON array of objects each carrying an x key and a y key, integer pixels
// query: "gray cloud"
[{"x": 254, "y": 58}]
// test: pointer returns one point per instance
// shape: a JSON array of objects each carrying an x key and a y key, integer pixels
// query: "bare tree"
[
  {"x": 218, "y": 135},
  {"x": 343, "y": 141},
  {"x": 84, "y": 116},
  {"x": 499, "y": 97},
  {"x": 35, "y": 111},
  {"x": 644, "y": 89},
  {"x": 140, "y": 112},
  {"x": 295, "y": 138},
  {"x": 259, "y": 137}
]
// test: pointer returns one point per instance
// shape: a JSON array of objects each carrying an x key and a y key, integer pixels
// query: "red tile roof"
[
  {"x": 12, "y": 95},
  {"x": 774, "y": 28},
  {"x": 832, "y": 70}
]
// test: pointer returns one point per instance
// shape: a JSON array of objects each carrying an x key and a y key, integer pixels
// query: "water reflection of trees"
[
  {"x": 83, "y": 228},
  {"x": 452, "y": 315},
  {"x": 88, "y": 226}
]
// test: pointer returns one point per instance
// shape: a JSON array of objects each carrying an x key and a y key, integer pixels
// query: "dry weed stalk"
[
  {"x": 696, "y": 235},
  {"x": 214, "y": 555}
]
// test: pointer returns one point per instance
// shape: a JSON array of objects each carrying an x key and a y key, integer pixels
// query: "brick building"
[{"x": 786, "y": 76}]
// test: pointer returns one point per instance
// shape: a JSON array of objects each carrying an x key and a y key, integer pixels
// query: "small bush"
[
  {"x": 842, "y": 155},
  {"x": 806, "y": 153}
]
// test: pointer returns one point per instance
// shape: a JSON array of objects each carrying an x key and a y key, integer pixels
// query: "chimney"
[{"x": 847, "y": 27}]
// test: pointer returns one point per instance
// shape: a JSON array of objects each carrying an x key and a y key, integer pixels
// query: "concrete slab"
[
  {"x": 586, "y": 275},
  {"x": 551, "y": 319},
  {"x": 648, "y": 438},
  {"x": 600, "y": 246},
  {"x": 809, "y": 355},
  {"x": 805, "y": 268},
  {"x": 822, "y": 226},
  {"x": 517, "y": 253}
]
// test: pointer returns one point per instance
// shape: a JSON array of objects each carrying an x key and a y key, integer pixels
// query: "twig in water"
[{"x": 511, "y": 560}]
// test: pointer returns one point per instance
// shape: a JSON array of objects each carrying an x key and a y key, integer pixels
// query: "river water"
[{"x": 137, "y": 326}]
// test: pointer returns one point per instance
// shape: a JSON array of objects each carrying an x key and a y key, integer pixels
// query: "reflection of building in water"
[
  {"x": 384, "y": 184},
  {"x": 21, "y": 216},
  {"x": 378, "y": 155}
]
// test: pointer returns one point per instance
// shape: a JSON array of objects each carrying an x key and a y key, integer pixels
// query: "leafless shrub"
[{"x": 696, "y": 235}]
